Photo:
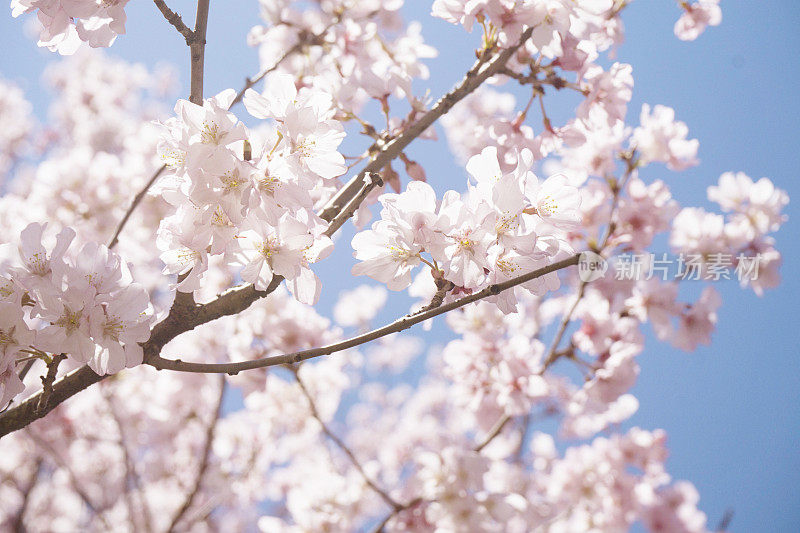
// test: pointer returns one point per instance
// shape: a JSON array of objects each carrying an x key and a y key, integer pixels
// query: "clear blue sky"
[{"x": 731, "y": 410}]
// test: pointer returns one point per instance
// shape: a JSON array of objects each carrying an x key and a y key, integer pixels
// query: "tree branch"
[
  {"x": 495, "y": 431},
  {"x": 381, "y": 526},
  {"x": 342, "y": 446},
  {"x": 55, "y": 455},
  {"x": 398, "y": 325},
  {"x": 197, "y": 50},
  {"x": 47, "y": 380},
  {"x": 174, "y": 19},
  {"x": 552, "y": 353},
  {"x": 305, "y": 40},
  {"x": 136, "y": 200},
  {"x": 131, "y": 475},
  {"x": 201, "y": 469}
]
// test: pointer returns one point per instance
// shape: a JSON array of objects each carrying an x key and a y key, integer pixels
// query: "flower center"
[
  {"x": 305, "y": 148},
  {"x": 38, "y": 264},
  {"x": 69, "y": 320},
  {"x": 269, "y": 247},
  {"x": 506, "y": 266},
  {"x": 113, "y": 327},
  {"x": 210, "y": 133},
  {"x": 7, "y": 337},
  {"x": 547, "y": 206}
]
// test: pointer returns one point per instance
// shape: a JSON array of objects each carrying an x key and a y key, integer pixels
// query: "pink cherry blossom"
[
  {"x": 662, "y": 138},
  {"x": 696, "y": 17},
  {"x": 697, "y": 321}
]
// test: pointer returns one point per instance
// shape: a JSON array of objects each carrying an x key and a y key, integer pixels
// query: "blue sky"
[{"x": 731, "y": 410}]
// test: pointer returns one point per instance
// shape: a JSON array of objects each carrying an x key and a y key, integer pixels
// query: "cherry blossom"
[
  {"x": 359, "y": 306},
  {"x": 14, "y": 336},
  {"x": 697, "y": 321},
  {"x": 15, "y": 112},
  {"x": 662, "y": 138},
  {"x": 65, "y": 23},
  {"x": 696, "y": 17},
  {"x": 757, "y": 206},
  {"x": 265, "y": 250}
]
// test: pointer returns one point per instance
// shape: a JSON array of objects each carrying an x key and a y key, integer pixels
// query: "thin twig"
[
  {"x": 553, "y": 354},
  {"x": 304, "y": 40},
  {"x": 174, "y": 19},
  {"x": 26, "y": 369},
  {"x": 725, "y": 521},
  {"x": 495, "y": 431},
  {"x": 130, "y": 472},
  {"x": 18, "y": 523},
  {"x": 443, "y": 286},
  {"x": 393, "y": 327},
  {"x": 201, "y": 470},
  {"x": 55, "y": 455},
  {"x": 342, "y": 446},
  {"x": 197, "y": 51},
  {"x": 136, "y": 201},
  {"x": 381, "y": 526}
]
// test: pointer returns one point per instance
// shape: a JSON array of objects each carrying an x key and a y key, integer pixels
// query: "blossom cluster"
[
  {"x": 15, "y": 114},
  {"x": 67, "y": 23},
  {"x": 507, "y": 224},
  {"x": 81, "y": 303},
  {"x": 96, "y": 153},
  {"x": 246, "y": 198},
  {"x": 354, "y": 51},
  {"x": 755, "y": 210},
  {"x": 696, "y": 17}
]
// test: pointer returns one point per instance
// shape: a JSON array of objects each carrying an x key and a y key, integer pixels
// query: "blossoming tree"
[{"x": 192, "y": 243}]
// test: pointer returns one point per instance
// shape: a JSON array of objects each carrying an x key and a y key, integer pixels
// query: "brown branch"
[
  {"x": 18, "y": 523},
  {"x": 382, "y": 524},
  {"x": 174, "y": 19},
  {"x": 203, "y": 467},
  {"x": 725, "y": 522},
  {"x": 136, "y": 201},
  {"x": 27, "y": 411},
  {"x": 370, "y": 181},
  {"x": 130, "y": 472},
  {"x": 197, "y": 50},
  {"x": 55, "y": 455},
  {"x": 304, "y": 40},
  {"x": 553, "y": 354},
  {"x": 494, "y": 432},
  {"x": 48, "y": 380},
  {"x": 342, "y": 446},
  {"x": 185, "y": 318},
  {"x": 393, "y": 327}
]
